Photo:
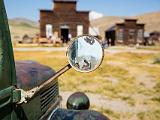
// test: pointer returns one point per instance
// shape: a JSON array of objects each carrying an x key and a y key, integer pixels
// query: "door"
[{"x": 64, "y": 34}]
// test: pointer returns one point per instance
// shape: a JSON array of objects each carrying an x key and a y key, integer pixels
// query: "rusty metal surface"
[
  {"x": 31, "y": 74},
  {"x": 63, "y": 114}
]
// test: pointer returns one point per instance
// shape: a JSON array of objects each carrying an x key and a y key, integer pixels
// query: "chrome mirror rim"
[{"x": 87, "y": 71}]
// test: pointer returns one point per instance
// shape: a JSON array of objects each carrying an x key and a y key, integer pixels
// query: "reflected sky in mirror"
[{"x": 86, "y": 49}]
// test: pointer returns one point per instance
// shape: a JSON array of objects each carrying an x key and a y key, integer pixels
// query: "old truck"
[{"x": 30, "y": 91}]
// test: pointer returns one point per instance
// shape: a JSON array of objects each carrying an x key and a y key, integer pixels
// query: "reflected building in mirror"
[{"x": 74, "y": 51}]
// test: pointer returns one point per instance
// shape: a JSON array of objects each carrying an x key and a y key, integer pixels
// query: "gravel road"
[{"x": 109, "y": 50}]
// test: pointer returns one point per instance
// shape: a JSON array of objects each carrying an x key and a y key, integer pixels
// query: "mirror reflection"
[{"x": 85, "y": 54}]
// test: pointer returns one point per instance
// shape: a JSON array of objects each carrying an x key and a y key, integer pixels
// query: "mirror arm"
[
  {"x": 61, "y": 71},
  {"x": 56, "y": 75},
  {"x": 26, "y": 95}
]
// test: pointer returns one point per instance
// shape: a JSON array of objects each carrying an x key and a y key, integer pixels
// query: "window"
[
  {"x": 131, "y": 34},
  {"x": 79, "y": 30},
  {"x": 120, "y": 35},
  {"x": 140, "y": 34},
  {"x": 49, "y": 30}
]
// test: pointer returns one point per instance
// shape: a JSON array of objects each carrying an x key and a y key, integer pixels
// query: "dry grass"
[{"x": 129, "y": 77}]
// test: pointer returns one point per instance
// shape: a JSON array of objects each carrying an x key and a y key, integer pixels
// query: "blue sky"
[{"x": 30, "y": 8}]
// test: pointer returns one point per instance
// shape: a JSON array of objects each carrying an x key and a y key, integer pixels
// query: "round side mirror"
[{"x": 85, "y": 53}]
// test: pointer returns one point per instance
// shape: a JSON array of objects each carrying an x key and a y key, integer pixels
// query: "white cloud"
[{"x": 95, "y": 15}]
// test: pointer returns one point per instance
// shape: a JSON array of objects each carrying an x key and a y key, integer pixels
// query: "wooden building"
[
  {"x": 64, "y": 21},
  {"x": 128, "y": 33}
]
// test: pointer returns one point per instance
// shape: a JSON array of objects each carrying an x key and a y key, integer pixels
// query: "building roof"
[
  {"x": 112, "y": 28},
  {"x": 140, "y": 24},
  {"x": 65, "y": 0},
  {"x": 44, "y": 10},
  {"x": 87, "y": 12},
  {"x": 130, "y": 19},
  {"x": 120, "y": 24}
]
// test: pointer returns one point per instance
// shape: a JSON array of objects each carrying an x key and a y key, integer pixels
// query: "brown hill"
[
  {"x": 21, "y": 26},
  {"x": 151, "y": 21},
  {"x": 105, "y": 22}
]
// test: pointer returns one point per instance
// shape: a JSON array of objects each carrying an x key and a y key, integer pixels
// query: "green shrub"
[{"x": 156, "y": 61}]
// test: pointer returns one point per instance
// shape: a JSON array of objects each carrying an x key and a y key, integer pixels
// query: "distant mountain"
[
  {"x": 104, "y": 23},
  {"x": 151, "y": 21},
  {"x": 23, "y": 21},
  {"x": 22, "y": 26}
]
